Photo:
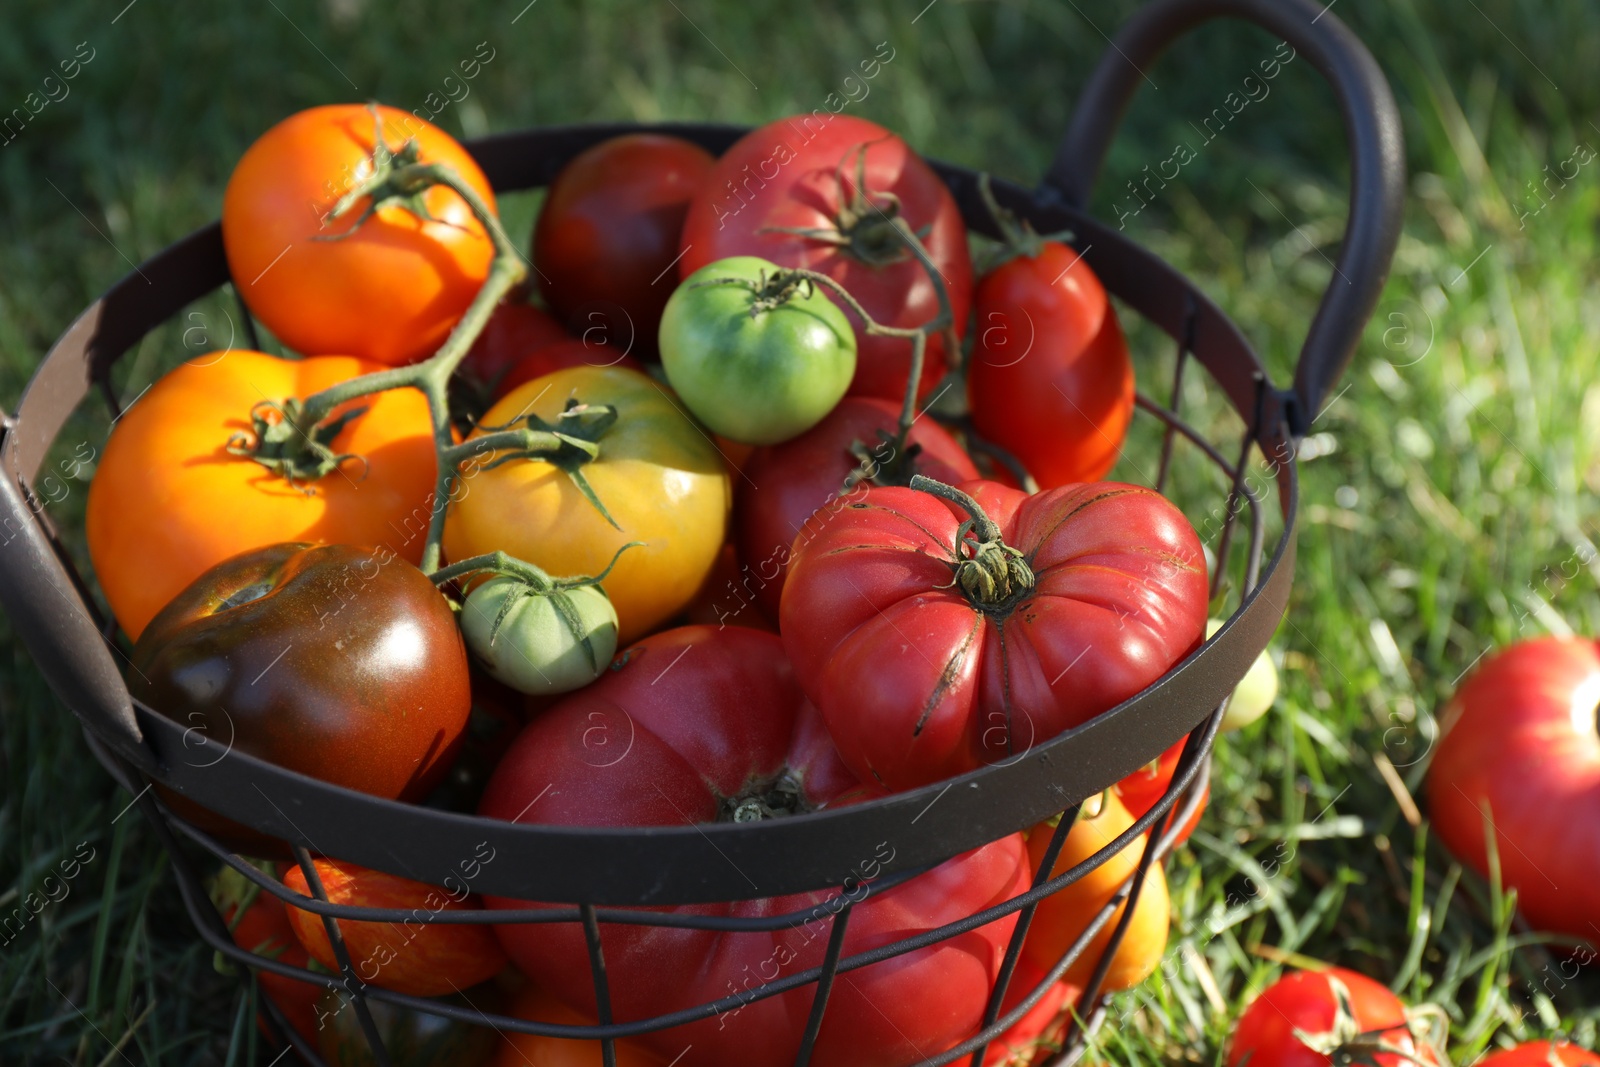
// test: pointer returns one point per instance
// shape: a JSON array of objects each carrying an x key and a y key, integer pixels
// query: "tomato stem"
[
  {"x": 993, "y": 575},
  {"x": 537, "y": 577}
]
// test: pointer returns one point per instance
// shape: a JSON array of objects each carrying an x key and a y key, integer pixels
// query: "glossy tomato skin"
[
  {"x": 1050, "y": 379},
  {"x": 1519, "y": 737},
  {"x": 515, "y": 330},
  {"x": 658, "y": 475},
  {"x": 1541, "y": 1054},
  {"x": 609, "y": 231},
  {"x": 169, "y": 501},
  {"x": 1063, "y": 916},
  {"x": 420, "y": 958},
  {"x": 341, "y": 663},
  {"x": 918, "y": 684},
  {"x": 647, "y": 745},
  {"x": 521, "y": 1050},
  {"x": 785, "y": 486},
  {"x": 559, "y": 355},
  {"x": 1305, "y": 1000},
  {"x": 1141, "y": 790},
  {"x": 788, "y": 174},
  {"x": 392, "y": 289}
]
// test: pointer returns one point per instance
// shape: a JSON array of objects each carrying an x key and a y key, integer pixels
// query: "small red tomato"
[
  {"x": 1519, "y": 752},
  {"x": 792, "y": 192},
  {"x": 559, "y": 355},
  {"x": 1341, "y": 1017},
  {"x": 607, "y": 236},
  {"x": 1558, "y": 1053},
  {"x": 1050, "y": 379},
  {"x": 1141, "y": 789},
  {"x": 264, "y": 929},
  {"x": 937, "y": 636},
  {"x": 420, "y": 958},
  {"x": 785, "y": 487},
  {"x": 515, "y": 330}
]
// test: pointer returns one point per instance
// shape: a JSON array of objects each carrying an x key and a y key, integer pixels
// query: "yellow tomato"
[
  {"x": 1063, "y": 916},
  {"x": 655, "y": 472}
]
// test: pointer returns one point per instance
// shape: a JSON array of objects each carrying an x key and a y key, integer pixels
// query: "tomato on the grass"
[
  {"x": 1559, "y": 1053},
  {"x": 389, "y": 289},
  {"x": 1518, "y": 743},
  {"x": 802, "y": 174},
  {"x": 668, "y": 739},
  {"x": 1049, "y": 379},
  {"x": 937, "y": 635},
  {"x": 1348, "y": 1017},
  {"x": 791, "y": 490}
]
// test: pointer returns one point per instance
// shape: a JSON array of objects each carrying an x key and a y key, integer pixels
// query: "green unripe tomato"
[
  {"x": 751, "y": 372},
  {"x": 1256, "y": 690},
  {"x": 545, "y": 643}
]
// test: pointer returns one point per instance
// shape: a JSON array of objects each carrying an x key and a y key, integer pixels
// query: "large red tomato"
[
  {"x": 1519, "y": 752},
  {"x": 933, "y": 647},
  {"x": 607, "y": 236},
  {"x": 801, "y": 173},
  {"x": 1050, "y": 379},
  {"x": 1541, "y": 1054},
  {"x": 388, "y": 290},
  {"x": 785, "y": 486},
  {"x": 699, "y": 725},
  {"x": 1343, "y": 1012}
]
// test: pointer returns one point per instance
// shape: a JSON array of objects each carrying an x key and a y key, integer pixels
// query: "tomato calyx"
[
  {"x": 299, "y": 453},
  {"x": 1018, "y": 238},
  {"x": 867, "y": 230},
  {"x": 781, "y": 796},
  {"x": 993, "y": 575},
  {"x": 771, "y": 291},
  {"x": 568, "y": 443},
  {"x": 398, "y": 178},
  {"x": 1346, "y": 1044}
]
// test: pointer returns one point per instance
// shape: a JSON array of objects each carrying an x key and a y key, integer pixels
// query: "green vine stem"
[
  {"x": 993, "y": 575},
  {"x": 536, "y": 577}
]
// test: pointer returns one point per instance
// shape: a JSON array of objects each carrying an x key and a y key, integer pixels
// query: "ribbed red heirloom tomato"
[
  {"x": 608, "y": 234},
  {"x": 1541, "y": 1054},
  {"x": 801, "y": 174},
  {"x": 935, "y": 643},
  {"x": 388, "y": 290},
  {"x": 700, "y": 725},
  {"x": 1346, "y": 1014},
  {"x": 785, "y": 487},
  {"x": 1519, "y": 751}
]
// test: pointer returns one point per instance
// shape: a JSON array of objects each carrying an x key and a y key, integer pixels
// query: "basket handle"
[
  {"x": 43, "y": 605},
  {"x": 1372, "y": 127}
]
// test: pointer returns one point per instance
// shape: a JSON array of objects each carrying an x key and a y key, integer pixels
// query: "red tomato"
[
  {"x": 515, "y": 330},
  {"x": 1345, "y": 1010},
  {"x": 264, "y": 929},
  {"x": 1027, "y": 1034},
  {"x": 559, "y": 355},
  {"x": 1141, "y": 789},
  {"x": 922, "y": 673},
  {"x": 1541, "y": 1054},
  {"x": 696, "y": 726},
  {"x": 420, "y": 958},
  {"x": 1050, "y": 379},
  {"x": 528, "y": 1050},
  {"x": 1518, "y": 745},
  {"x": 607, "y": 236},
  {"x": 786, "y": 485},
  {"x": 801, "y": 173},
  {"x": 394, "y": 287}
]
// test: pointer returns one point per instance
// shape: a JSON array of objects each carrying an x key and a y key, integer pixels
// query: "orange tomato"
[
  {"x": 169, "y": 501},
  {"x": 1063, "y": 916},
  {"x": 521, "y": 1050},
  {"x": 421, "y": 958},
  {"x": 389, "y": 290}
]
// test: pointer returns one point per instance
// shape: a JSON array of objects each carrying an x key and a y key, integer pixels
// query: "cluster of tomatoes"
[{"x": 712, "y": 447}]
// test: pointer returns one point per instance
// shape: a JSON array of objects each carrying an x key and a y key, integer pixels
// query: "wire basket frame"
[{"x": 601, "y": 876}]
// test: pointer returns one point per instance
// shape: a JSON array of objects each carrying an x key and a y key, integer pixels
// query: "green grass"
[{"x": 1452, "y": 479}]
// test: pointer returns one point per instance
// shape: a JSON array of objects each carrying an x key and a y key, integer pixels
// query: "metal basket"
[{"x": 604, "y": 873}]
